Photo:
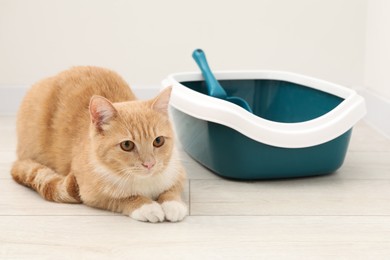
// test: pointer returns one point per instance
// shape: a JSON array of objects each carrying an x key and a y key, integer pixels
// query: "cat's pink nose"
[{"x": 148, "y": 165}]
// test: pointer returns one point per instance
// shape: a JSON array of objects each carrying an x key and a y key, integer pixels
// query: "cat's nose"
[{"x": 148, "y": 165}]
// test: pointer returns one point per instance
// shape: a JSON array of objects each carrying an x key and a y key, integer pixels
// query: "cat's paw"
[
  {"x": 151, "y": 212},
  {"x": 174, "y": 210}
]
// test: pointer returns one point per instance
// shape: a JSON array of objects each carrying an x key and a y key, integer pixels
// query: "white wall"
[
  {"x": 377, "y": 65},
  {"x": 146, "y": 40}
]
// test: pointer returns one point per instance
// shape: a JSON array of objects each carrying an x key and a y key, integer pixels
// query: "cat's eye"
[
  {"x": 127, "y": 146},
  {"x": 159, "y": 141}
]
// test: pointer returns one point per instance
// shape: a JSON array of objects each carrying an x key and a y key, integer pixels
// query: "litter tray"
[{"x": 300, "y": 126}]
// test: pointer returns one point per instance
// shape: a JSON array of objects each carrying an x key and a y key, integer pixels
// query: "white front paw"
[
  {"x": 174, "y": 210},
  {"x": 151, "y": 212}
]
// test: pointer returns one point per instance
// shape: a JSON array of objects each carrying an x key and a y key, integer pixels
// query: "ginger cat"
[{"x": 84, "y": 138}]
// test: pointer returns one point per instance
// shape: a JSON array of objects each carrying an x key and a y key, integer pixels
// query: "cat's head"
[{"x": 133, "y": 138}]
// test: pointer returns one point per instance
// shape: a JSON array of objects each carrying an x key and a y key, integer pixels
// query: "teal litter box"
[{"x": 300, "y": 126}]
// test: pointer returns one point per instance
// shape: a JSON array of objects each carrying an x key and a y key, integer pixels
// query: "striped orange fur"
[{"x": 84, "y": 138}]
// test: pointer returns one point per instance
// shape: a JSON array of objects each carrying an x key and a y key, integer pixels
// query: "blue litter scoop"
[{"x": 213, "y": 87}]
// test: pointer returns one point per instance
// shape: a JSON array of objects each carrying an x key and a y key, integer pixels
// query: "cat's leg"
[
  {"x": 137, "y": 207},
  {"x": 144, "y": 209},
  {"x": 49, "y": 184},
  {"x": 174, "y": 208}
]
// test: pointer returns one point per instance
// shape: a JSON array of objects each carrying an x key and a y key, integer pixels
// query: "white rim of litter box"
[{"x": 288, "y": 135}]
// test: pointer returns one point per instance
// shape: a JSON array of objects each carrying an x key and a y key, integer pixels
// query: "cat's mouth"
[{"x": 141, "y": 172}]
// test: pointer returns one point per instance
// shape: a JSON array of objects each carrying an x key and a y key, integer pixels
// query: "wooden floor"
[{"x": 345, "y": 215}]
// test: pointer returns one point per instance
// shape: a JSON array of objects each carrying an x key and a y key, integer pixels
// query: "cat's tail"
[{"x": 49, "y": 184}]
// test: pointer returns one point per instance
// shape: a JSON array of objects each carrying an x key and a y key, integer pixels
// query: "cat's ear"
[
  {"x": 161, "y": 102},
  {"x": 101, "y": 111}
]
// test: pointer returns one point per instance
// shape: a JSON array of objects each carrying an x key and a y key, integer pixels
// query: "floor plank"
[
  {"x": 365, "y": 138},
  {"x": 7, "y": 121},
  {"x": 345, "y": 215},
  {"x": 196, "y": 171},
  {"x": 311, "y": 196},
  {"x": 366, "y": 165},
  {"x": 7, "y": 139},
  {"x": 197, "y": 238},
  {"x": 8, "y": 156},
  {"x": 5, "y": 170}
]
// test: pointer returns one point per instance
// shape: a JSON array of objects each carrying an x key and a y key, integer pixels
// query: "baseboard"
[
  {"x": 378, "y": 111},
  {"x": 11, "y": 96}
]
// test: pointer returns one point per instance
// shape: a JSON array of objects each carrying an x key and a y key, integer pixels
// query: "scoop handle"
[{"x": 214, "y": 88}]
